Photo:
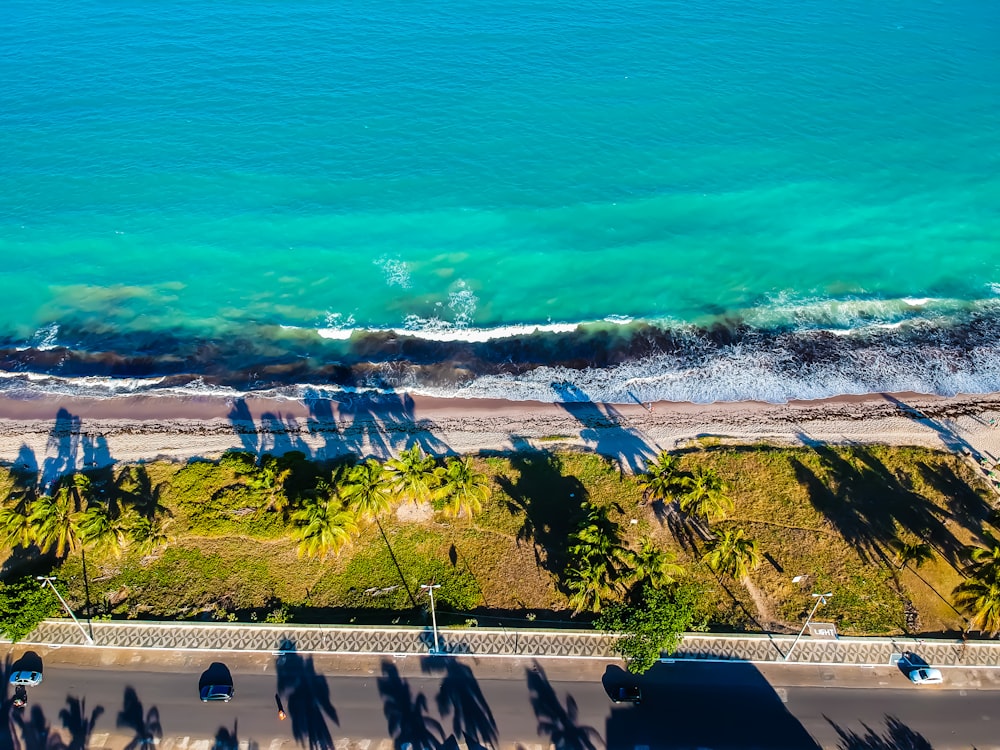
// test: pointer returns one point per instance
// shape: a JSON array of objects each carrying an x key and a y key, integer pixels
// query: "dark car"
[
  {"x": 222, "y": 693},
  {"x": 627, "y": 694},
  {"x": 20, "y": 696}
]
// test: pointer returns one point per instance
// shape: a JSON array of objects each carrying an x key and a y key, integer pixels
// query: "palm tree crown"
[
  {"x": 734, "y": 554},
  {"x": 655, "y": 565},
  {"x": 705, "y": 495},
  {"x": 661, "y": 478},
  {"x": 462, "y": 488},
  {"x": 980, "y": 598},
  {"x": 412, "y": 475},
  {"x": 54, "y": 522},
  {"x": 368, "y": 490},
  {"x": 323, "y": 526}
]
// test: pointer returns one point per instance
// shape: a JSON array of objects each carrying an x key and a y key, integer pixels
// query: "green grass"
[{"x": 829, "y": 513}]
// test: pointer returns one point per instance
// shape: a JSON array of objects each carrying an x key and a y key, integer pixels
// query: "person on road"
[{"x": 281, "y": 709}]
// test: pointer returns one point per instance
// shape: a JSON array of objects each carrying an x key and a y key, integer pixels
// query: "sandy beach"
[{"x": 58, "y": 435}]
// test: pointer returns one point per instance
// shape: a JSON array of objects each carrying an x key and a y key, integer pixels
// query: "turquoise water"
[{"x": 766, "y": 199}]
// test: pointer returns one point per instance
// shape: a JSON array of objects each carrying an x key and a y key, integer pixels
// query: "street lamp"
[
  {"x": 434, "y": 623},
  {"x": 820, "y": 599},
  {"x": 49, "y": 580}
]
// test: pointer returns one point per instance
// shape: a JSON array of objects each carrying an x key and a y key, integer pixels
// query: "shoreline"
[{"x": 81, "y": 432}]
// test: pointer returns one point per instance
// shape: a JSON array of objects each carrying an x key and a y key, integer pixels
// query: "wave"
[{"x": 783, "y": 350}]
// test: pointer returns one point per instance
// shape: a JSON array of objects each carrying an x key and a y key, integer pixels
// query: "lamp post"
[
  {"x": 820, "y": 599},
  {"x": 49, "y": 580},
  {"x": 434, "y": 623}
]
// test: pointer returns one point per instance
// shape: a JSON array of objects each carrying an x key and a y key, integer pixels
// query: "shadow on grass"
[
  {"x": 897, "y": 736},
  {"x": 869, "y": 505},
  {"x": 550, "y": 503}
]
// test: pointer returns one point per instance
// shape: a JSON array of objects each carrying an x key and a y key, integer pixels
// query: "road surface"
[{"x": 119, "y": 706}]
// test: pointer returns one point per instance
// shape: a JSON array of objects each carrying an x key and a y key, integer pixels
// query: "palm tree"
[
  {"x": 323, "y": 526},
  {"x": 984, "y": 560},
  {"x": 54, "y": 522},
  {"x": 368, "y": 490},
  {"x": 102, "y": 529},
  {"x": 15, "y": 525},
  {"x": 734, "y": 554},
  {"x": 271, "y": 476},
  {"x": 705, "y": 495},
  {"x": 462, "y": 487},
  {"x": 980, "y": 598},
  {"x": 149, "y": 534},
  {"x": 589, "y": 584},
  {"x": 661, "y": 479},
  {"x": 655, "y": 565},
  {"x": 917, "y": 553},
  {"x": 412, "y": 475}
]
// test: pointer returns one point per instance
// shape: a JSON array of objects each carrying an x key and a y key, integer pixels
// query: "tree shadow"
[
  {"x": 8, "y": 739},
  {"x": 897, "y": 736},
  {"x": 144, "y": 725},
  {"x": 243, "y": 424},
  {"x": 36, "y": 732},
  {"x": 280, "y": 434},
  {"x": 62, "y": 449},
  {"x": 561, "y": 725},
  {"x": 550, "y": 502},
  {"x": 406, "y": 714},
  {"x": 323, "y": 422},
  {"x": 755, "y": 716},
  {"x": 968, "y": 507},
  {"x": 306, "y": 696},
  {"x": 952, "y": 441},
  {"x": 75, "y": 720},
  {"x": 869, "y": 505},
  {"x": 603, "y": 427},
  {"x": 230, "y": 740},
  {"x": 461, "y": 698}
]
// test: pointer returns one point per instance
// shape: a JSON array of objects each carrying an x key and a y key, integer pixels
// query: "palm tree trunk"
[
  {"x": 86, "y": 590},
  {"x": 395, "y": 562}
]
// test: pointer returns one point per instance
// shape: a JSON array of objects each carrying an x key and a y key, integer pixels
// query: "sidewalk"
[{"x": 487, "y": 642}]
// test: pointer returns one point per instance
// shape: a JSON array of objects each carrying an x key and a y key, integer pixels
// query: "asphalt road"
[{"x": 684, "y": 706}]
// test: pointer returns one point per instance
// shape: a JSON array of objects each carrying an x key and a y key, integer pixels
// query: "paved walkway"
[{"x": 486, "y": 642}]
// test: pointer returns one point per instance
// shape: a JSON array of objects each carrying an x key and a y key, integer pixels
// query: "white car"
[
  {"x": 926, "y": 676},
  {"x": 26, "y": 678}
]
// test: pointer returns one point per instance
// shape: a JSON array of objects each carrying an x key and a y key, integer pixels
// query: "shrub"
[{"x": 23, "y": 604}]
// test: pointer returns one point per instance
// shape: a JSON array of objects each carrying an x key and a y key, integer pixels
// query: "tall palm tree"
[
  {"x": 734, "y": 554},
  {"x": 54, "y": 522},
  {"x": 368, "y": 490},
  {"x": 705, "y": 495},
  {"x": 661, "y": 479},
  {"x": 271, "y": 475},
  {"x": 462, "y": 488},
  {"x": 653, "y": 564},
  {"x": 598, "y": 561},
  {"x": 980, "y": 598},
  {"x": 984, "y": 561},
  {"x": 323, "y": 526},
  {"x": 589, "y": 584},
  {"x": 103, "y": 529},
  {"x": 412, "y": 475}
]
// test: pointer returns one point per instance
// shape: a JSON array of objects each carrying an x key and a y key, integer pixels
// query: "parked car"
[
  {"x": 210, "y": 693},
  {"x": 627, "y": 694},
  {"x": 26, "y": 678},
  {"x": 926, "y": 676}
]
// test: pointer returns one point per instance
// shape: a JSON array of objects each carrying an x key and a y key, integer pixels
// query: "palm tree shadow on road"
[
  {"x": 306, "y": 697},
  {"x": 461, "y": 698},
  {"x": 145, "y": 725},
  {"x": 559, "y": 724},
  {"x": 406, "y": 714},
  {"x": 897, "y": 736}
]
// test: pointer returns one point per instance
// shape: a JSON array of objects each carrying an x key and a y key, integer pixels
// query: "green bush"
[{"x": 24, "y": 603}]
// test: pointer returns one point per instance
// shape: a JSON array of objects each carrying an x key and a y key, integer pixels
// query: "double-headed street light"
[
  {"x": 49, "y": 580},
  {"x": 820, "y": 599}
]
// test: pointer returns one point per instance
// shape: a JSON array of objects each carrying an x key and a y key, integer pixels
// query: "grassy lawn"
[{"x": 826, "y": 513}]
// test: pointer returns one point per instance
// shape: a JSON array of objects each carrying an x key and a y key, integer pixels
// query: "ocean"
[{"x": 707, "y": 200}]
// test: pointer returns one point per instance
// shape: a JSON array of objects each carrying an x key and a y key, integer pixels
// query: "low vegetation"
[{"x": 903, "y": 537}]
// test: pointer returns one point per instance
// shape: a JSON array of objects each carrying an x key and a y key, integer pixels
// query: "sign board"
[{"x": 823, "y": 630}]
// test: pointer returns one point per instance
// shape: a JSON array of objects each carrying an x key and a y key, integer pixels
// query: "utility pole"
[
  {"x": 820, "y": 599},
  {"x": 49, "y": 580},
  {"x": 434, "y": 623}
]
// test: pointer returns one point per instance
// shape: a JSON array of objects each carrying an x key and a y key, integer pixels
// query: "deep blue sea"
[{"x": 694, "y": 200}]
